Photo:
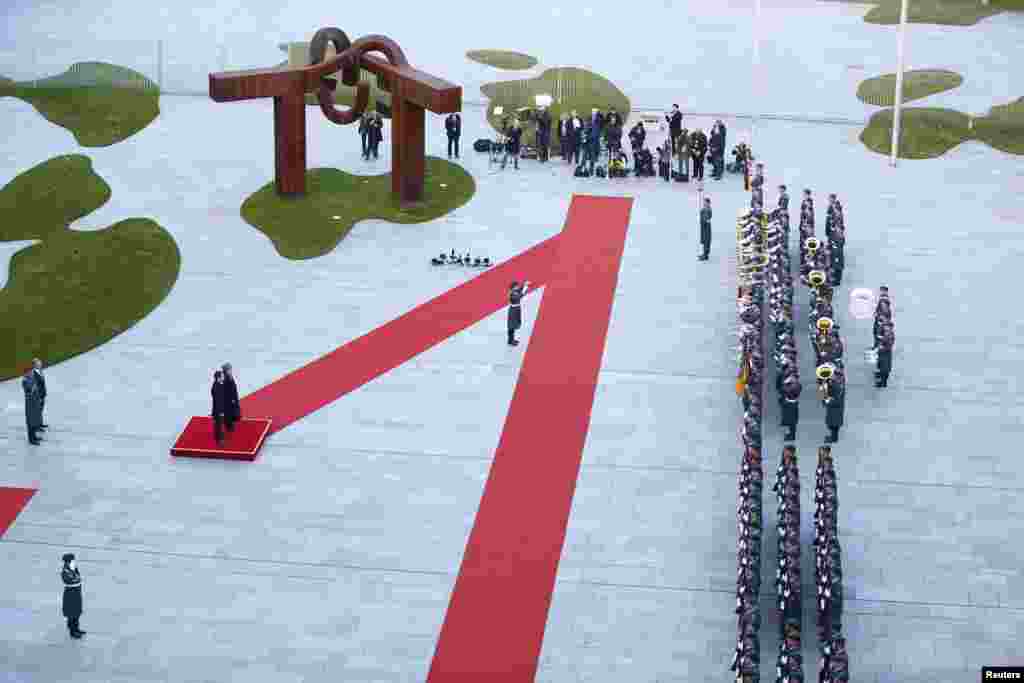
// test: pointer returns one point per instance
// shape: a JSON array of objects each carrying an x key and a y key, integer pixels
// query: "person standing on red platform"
[
  {"x": 232, "y": 408},
  {"x": 219, "y": 394}
]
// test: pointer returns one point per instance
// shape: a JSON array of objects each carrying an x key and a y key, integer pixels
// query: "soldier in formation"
[
  {"x": 789, "y": 665},
  {"x": 835, "y": 239},
  {"x": 828, "y": 573},
  {"x": 747, "y": 658},
  {"x": 780, "y": 312},
  {"x": 885, "y": 338}
]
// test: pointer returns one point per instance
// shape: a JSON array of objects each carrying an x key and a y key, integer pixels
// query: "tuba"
[
  {"x": 816, "y": 278},
  {"x": 812, "y": 244},
  {"x": 824, "y": 373}
]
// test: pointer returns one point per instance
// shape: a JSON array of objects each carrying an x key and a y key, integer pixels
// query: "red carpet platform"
[
  {"x": 242, "y": 444},
  {"x": 12, "y": 501}
]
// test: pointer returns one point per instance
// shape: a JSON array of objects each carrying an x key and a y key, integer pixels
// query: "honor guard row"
[
  {"x": 747, "y": 658},
  {"x": 752, "y": 261},
  {"x": 780, "y": 313},
  {"x": 828, "y": 573},
  {"x": 789, "y": 666}
]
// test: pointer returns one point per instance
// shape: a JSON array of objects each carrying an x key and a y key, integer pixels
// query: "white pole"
[
  {"x": 755, "y": 69},
  {"x": 160, "y": 64},
  {"x": 900, "y": 40}
]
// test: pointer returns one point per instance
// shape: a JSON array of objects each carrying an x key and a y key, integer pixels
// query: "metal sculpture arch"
[{"x": 413, "y": 92}]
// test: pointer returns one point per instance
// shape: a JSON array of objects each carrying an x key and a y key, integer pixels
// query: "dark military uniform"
[
  {"x": 834, "y": 409},
  {"x": 71, "y": 604},
  {"x": 220, "y": 404},
  {"x": 33, "y": 407},
  {"x": 705, "y": 232},
  {"x": 515, "y": 311}
]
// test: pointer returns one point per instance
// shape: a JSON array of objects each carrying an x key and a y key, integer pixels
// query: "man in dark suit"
[
  {"x": 705, "y": 229},
  {"x": 364, "y": 133},
  {"x": 33, "y": 407},
  {"x": 543, "y": 135},
  {"x": 698, "y": 149},
  {"x": 219, "y": 396},
  {"x": 575, "y": 148},
  {"x": 376, "y": 134},
  {"x": 675, "y": 124},
  {"x": 717, "y": 149},
  {"x": 232, "y": 408},
  {"x": 453, "y": 127},
  {"x": 37, "y": 372}
]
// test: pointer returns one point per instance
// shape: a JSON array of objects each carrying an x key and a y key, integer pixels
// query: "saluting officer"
[
  {"x": 72, "y": 603},
  {"x": 515, "y": 310}
]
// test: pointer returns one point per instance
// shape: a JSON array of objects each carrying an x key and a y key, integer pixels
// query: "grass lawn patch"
[
  {"x": 925, "y": 133},
  {"x": 1003, "y": 128},
  {"x": 949, "y": 12},
  {"x": 75, "y": 290},
  {"x": 881, "y": 90},
  {"x": 101, "y": 104},
  {"x": 503, "y": 59},
  {"x": 572, "y": 88},
  {"x": 313, "y": 225}
]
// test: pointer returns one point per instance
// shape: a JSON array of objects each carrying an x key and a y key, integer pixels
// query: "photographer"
[
  {"x": 675, "y": 124},
  {"x": 514, "y": 137},
  {"x": 637, "y": 135}
]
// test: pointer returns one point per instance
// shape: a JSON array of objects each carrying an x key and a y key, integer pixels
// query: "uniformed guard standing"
[
  {"x": 705, "y": 230},
  {"x": 757, "y": 188},
  {"x": 33, "y": 406},
  {"x": 71, "y": 605},
  {"x": 515, "y": 310}
]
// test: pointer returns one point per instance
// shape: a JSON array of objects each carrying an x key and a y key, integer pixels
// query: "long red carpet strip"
[
  {"x": 330, "y": 377},
  {"x": 495, "y": 622},
  {"x": 12, "y": 501}
]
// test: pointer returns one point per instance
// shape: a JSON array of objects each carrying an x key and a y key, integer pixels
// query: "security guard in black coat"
[{"x": 71, "y": 605}]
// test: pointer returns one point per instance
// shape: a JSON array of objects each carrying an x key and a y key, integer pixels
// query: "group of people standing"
[
  {"x": 371, "y": 132},
  {"x": 746, "y": 661},
  {"x": 789, "y": 664},
  {"x": 33, "y": 384},
  {"x": 226, "y": 408},
  {"x": 828, "y": 573},
  {"x": 581, "y": 141},
  {"x": 695, "y": 146}
]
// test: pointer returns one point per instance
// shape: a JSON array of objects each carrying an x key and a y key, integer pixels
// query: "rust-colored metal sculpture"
[{"x": 412, "y": 93}]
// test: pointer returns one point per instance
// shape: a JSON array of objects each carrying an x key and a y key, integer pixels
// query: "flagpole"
[{"x": 900, "y": 40}]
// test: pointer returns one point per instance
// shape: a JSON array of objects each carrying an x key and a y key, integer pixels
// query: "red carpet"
[
  {"x": 495, "y": 622},
  {"x": 242, "y": 444},
  {"x": 11, "y": 503},
  {"x": 330, "y": 377}
]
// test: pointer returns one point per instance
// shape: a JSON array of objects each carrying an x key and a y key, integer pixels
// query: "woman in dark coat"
[
  {"x": 71, "y": 605},
  {"x": 515, "y": 311},
  {"x": 33, "y": 405}
]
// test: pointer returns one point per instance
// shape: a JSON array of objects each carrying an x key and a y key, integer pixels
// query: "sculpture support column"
[
  {"x": 408, "y": 158},
  {"x": 290, "y": 144}
]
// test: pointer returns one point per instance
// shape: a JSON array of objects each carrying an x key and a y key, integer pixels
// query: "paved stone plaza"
[{"x": 333, "y": 555}]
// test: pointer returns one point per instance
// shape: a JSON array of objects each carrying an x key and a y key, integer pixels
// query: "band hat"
[{"x": 68, "y": 557}]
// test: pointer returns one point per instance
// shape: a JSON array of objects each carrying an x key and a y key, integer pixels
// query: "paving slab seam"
[{"x": 226, "y": 558}]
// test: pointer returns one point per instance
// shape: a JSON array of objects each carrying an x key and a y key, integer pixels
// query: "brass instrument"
[
  {"x": 824, "y": 373},
  {"x": 812, "y": 244},
  {"x": 816, "y": 277},
  {"x": 825, "y": 325}
]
